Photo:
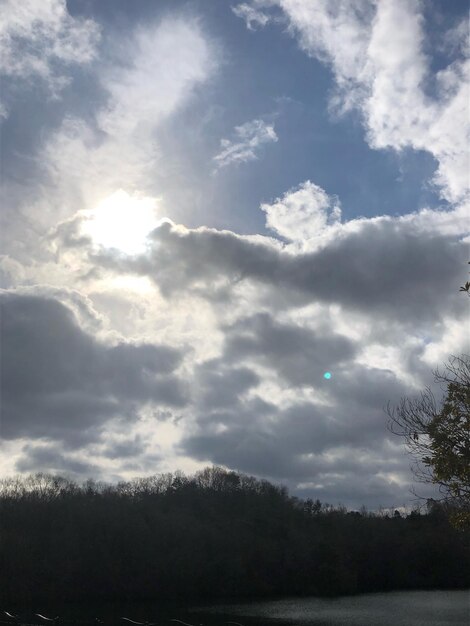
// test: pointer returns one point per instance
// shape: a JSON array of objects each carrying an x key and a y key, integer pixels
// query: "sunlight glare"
[{"x": 122, "y": 221}]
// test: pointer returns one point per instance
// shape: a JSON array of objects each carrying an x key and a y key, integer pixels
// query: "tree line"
[{"x": 215, "y": 535}]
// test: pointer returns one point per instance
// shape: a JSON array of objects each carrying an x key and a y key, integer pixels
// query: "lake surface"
[{"x": 407, "y": 608}]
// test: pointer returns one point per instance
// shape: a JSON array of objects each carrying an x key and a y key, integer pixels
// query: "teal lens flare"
[{"x": 327, "y": 375}]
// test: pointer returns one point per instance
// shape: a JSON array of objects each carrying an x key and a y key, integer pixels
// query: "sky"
[{"x": 232, "y": 233}]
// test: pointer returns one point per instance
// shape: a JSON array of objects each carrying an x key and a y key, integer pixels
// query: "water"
[{"x": 408, "y": 608}]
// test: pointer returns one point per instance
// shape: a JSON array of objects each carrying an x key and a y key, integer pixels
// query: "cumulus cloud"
[
  {"x": 299, "y": 355},
  {"x": 361, "y": 304},
  {"x": 266, "y": 424},
  {"x": 307, "y": 442},
  {"x": 377, "y": 51},
  {"x": 39, "y": 40},
  {"x": 219, "y": 386},
  {"x": 302, "y": 214},
  {"x": 246, "y": 145},
  {"x": 391, "y": 269},
  {"x": 125, "y": 448},
  {"x": 210, "y": 346},
  {"x": 36, "y": 457},
  {"x": 59, "y": 382},
  {"x": 334, "y": 444}
]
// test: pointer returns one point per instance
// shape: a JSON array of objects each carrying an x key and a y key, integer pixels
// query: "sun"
[{"x": 122, "y": 221}]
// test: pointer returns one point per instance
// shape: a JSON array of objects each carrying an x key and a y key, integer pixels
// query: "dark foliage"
[
  {"x": 437, "y": 435},
  {"x": 217, "y": 534}
]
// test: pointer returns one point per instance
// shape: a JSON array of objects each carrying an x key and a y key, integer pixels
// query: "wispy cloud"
[
  {"x": 246, "y": 144},
  {"x": 253, "y": 17},
  {"x": 39, "y": 39},
  {"x": 167, "y": 61}
]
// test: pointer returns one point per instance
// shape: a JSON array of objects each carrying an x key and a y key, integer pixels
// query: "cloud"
[
  {"x": 303, "y": 213},
  {"x": 211, "y": 346},
  {"x": 322, "y": 445},
  {"x": 219, "y": 386},
  {"x": 329, "y": 447},
  {"x": 386, "y": 266},
  {"x": 158, "y": 69},
  {"x": 268, "y": 425},
  {"x": 58, "y": 382},
  {"x": 84, "y": 160},
  {"x": 360, "y": 301},
  {"x": 299, "y": 355},
  {"x": 36, "y": 457},
  {"x": 125, "y": 448},
  {"x": 253, "y": 17},
  {"x": 167, "y": 62},
  {"x": 379, "y": 57},
  {"x": 246, "y": 145},
  {"x": 40, "y": 40}
]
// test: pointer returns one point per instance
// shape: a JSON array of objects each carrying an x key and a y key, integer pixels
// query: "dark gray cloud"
[
  {"x": 334, "y": 439},
  {"x": 290, "y": 443},
  {"x": 339, "y": 436},
  {"x": 36, "y": 457},
  {"x": 298, "y": 354},
  {"x": 220, "y": 386},
  {"x": 125, "y": 449},
  {"x": 59, "y": 382},
  {"x": 384, "y": 267},
  {"x": 250, "y": 450},
  {"x": 315, "y": 456},
  {"x": 370, "y": 490}
]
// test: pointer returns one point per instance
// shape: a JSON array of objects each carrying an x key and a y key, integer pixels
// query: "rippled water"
[
  {"x": 411, "y": 608},
  {"x": 420, "y": 608}
]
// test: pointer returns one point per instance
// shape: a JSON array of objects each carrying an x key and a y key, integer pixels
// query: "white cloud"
[
  {"x": 246, "y": 145},
  {"x": 39, "y": 38},
  {"x": 398, "y": 111},
  {"x": 302, "y": 214},
  {"x": 337, "y": 33},
  {"x": 165, "y": 63},
  {"x": 376, "y": 51},
  {"x": 253, "y": 17}
]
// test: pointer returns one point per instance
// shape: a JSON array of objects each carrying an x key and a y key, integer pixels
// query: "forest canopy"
[{"x": 217, "y": 534}]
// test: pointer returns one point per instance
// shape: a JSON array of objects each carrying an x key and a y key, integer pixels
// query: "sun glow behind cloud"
[
  {"x": 288, "y": 326},
  {"x": 122, "y": 221}
]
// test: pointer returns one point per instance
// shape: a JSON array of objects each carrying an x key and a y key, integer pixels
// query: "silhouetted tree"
[
  {"x": 466, "y": 286},
  {"x": 438, "y": 436}
]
